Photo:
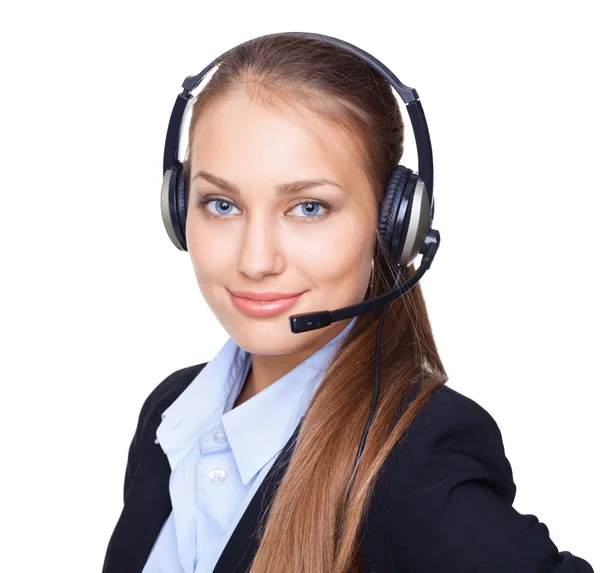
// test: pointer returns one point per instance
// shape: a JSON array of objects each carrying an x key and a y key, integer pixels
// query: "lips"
[
  {"x": 264, "y": 308},
  {"x": 263, "y": 296}
]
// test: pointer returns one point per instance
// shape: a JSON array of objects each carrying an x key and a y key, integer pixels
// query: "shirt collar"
[{"x": 202, "y": 402}]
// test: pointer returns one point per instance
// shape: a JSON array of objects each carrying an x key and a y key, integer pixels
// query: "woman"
[{"x": 246, "y": 462}]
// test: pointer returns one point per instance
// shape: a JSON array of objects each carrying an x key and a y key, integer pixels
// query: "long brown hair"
[{"x": 310, "y": 529}]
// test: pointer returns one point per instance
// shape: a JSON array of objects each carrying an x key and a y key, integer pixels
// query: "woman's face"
[{"x": 260, "y": 240}]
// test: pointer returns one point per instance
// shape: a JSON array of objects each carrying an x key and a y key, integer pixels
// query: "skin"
[{"x": 262, "y": 242}]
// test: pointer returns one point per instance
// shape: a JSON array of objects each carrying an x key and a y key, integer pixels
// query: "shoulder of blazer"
[
  {"x": 150, "y": 414},
  {"x": 449, "y": 502}
]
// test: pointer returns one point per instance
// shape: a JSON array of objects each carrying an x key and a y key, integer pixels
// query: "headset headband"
[{"x": 409, "y": 96}]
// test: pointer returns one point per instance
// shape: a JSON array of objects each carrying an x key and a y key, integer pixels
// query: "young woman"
[{"x": 248, "y": 462}]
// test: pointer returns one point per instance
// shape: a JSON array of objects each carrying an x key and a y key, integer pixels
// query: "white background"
[{"x": 98, "y": 306}]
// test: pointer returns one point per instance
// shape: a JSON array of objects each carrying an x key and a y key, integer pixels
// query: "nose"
[{"x": 260, "y": 248}]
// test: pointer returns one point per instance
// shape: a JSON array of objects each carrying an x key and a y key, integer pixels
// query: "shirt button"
[
  {"x": 217, "y": 476},
  {"x": 219, "y": 436}
]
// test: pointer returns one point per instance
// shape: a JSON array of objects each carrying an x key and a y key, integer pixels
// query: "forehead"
[{"x": 239, "y": 136}]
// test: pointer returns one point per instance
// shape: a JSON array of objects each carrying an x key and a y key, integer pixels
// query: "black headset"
[{"x": 405, "y": 215}]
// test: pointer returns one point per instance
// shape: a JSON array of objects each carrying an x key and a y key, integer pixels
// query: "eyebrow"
[{"x": 282, "y": 189}]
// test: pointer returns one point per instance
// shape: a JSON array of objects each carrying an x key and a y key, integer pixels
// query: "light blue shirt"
[{"x": 219, "y": 456}]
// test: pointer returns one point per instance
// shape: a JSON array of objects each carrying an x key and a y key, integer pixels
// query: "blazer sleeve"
[{"x": 450, "y": 500}]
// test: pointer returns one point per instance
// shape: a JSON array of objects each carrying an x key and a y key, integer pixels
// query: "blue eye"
[
  {"x": 221, "y": 205},
  {"x": 309, "y": 208}
]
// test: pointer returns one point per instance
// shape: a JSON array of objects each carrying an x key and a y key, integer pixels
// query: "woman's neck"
[{"x": 267, "y": 369}]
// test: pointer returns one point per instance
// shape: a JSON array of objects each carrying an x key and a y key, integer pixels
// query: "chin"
[{"x": 268, "y": 336}]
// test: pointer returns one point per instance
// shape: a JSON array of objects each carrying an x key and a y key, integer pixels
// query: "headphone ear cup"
[
  {"x": 181, "y": 202},
  {"x": 390, "y": 217},
  {"x": 173, "y": 203},
  {"x": 405, "y": 217}
]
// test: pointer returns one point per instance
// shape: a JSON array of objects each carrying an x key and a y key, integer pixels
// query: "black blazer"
[{"x": 442, "y": 502}]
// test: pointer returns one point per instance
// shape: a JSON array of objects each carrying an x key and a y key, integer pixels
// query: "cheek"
[
  {"x": 210, "y": 265},
  {"x": 210, "y": 260},
  {"x": 335, "y": 256}
]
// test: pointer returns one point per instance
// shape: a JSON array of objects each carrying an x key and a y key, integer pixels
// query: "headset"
[{"x": 405, "y": 215}]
